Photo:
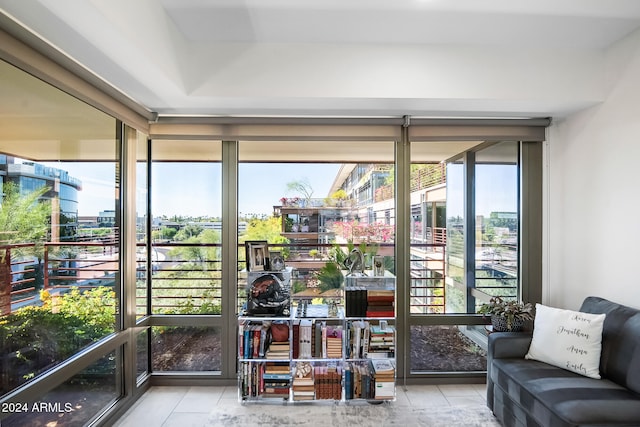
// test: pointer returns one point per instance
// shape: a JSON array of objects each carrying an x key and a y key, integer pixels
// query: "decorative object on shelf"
[
  {"x": 378, "y": 265},
  {"x": 303, "y": 369},
  {"x": 267, "y": 296},
  {"x": 355, "y": 262},
  {"x": 276, "y": 261},
  {"x": 279, "y": 332},
  {"x": 256, "y": 255},
  {"x": 507, "y": 316}
]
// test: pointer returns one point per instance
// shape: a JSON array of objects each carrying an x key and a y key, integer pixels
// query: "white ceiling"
[{"x": 341, "y": 57}]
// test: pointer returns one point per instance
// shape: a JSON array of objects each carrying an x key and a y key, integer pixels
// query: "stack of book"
[
  {"x": 384, "y": 374},
  {"x": 381, "y": 342},
  {"x": 276, "y": 380},
  {"x": 327, "y": 382},
  {"x": 332, "y": 342},
  {"x": 303, "y": 386},
  {"x": 278, "y": 350},
  {"x": 380, "y": 303}
]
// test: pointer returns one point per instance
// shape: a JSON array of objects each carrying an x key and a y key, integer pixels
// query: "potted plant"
[{"x": 507, "y": 316}]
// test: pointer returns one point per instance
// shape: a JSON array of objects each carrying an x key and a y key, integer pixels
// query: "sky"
[
  {"x": 194, "y": 189},
  {"x": 496, "y": 189}
]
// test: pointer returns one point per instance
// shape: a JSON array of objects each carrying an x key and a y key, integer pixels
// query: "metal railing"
[{"x": 186, "y": 277}]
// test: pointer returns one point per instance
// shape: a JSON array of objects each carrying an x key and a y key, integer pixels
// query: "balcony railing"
[{"x": 187, "y": 278}]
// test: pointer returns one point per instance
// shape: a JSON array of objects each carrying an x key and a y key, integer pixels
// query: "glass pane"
[
  {"x": 142, "y": 260},
  {"x": 59, "y": 232},
  {"x": 73, "y": 403},
  {"x": 142, "y": 353},
  {"x": 186, "y": 207},
  {"x": 313, "y": 208},
  {"x": 428, "y": 237},
  {"x": 455, "y": 257},
  {"x": 186, "y": 348},
  {"x": 497, "y": 212},
  {"x": 445, "y": 348}
]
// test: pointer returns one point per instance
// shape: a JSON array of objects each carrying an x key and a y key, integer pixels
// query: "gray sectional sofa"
[{"x": 524, "y": 392}]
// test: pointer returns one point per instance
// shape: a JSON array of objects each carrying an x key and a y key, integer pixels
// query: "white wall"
[{"x": 594, "y": 192}]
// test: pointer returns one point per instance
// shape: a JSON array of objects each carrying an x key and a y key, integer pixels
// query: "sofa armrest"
[{"x": 502, "y": 345}]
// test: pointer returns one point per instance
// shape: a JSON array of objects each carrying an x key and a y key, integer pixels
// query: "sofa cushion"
[
  {"x": 620, "y": 356},
  {"x": 554, "y": 397},
  {"x": 567, "y": 339}
]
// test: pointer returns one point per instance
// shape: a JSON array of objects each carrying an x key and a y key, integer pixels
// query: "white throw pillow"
[{"x": 567, "y": 339}]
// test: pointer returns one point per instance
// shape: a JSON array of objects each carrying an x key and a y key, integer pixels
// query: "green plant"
[
  {"x": 339, "y": 194},
  {"x": 511, "y": 311},
  {"x": 330, "y": 276}
]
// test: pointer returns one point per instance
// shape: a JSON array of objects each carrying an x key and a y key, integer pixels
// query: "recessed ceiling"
[{"x": 341, "y": 57}]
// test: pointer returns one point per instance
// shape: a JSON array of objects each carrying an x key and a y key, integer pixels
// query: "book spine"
[
  {"x": 348, "y": 386},
  {"x": 241, "y": 340},
  {"x": 365, "y": 341},
  {"x": 247, "y": 342},
  {"x": 268, "y": 376},
  {"x": 323, "y": 329},
  {"x": 256, "y": 343}
]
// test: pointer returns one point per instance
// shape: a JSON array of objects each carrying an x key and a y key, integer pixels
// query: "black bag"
[{"x": 267, "y": 297}]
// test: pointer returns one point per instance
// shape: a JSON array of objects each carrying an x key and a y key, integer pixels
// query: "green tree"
[
  {"x": 187, "y": 232},
  {"x": 165, "y": 233},
  {"x": 24, "y": 218},
  {"x": 199, "y": 255},
  {"x": 265, "y": 229}
]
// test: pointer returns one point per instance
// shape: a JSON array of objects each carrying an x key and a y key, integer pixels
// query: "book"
[
  {"x": 380, "y": 295},
  {"x": 383, "y": 366},
  {"x": 276, "y": 376},
  {"x": 365, "y": 340},
  {"x": 305, "y": 339},
  {"x": 296, "y": 338},
  {"x": 384, "y": 390}
]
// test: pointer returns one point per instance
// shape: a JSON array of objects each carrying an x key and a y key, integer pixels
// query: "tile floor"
[{"x": 165, "y": 406}]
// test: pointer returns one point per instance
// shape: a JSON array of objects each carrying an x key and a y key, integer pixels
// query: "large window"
[
  {"x": 497, "y": 233},
  {"x": 313, "y": 202},
  {"x": 464, "y": 248},
  {"x": 185, "y": 250},
  {"x": 60, "y": 275}
]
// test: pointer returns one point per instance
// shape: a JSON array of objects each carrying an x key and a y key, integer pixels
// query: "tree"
[
  {"x": 303, "y": 187},
  {"x": 265, "y": 229},
  {"x": 187, "y": 232},
  {"x": 24, "y": 218},
  {"x": 165, "y": 233}
]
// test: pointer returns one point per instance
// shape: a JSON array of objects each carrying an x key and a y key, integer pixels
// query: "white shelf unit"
[{"x": 327, "y": 352}]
